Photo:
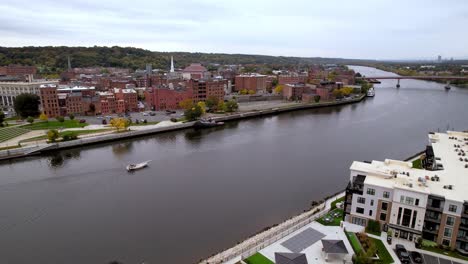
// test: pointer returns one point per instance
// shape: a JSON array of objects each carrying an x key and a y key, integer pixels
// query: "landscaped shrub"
[
  {"x": 70, "y": 136},
  {"x": 60, "y": 119},
  {"x": 373, "y": 227}
]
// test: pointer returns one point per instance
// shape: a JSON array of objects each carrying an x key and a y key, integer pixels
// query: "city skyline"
[{"x": 366, "y": 30}]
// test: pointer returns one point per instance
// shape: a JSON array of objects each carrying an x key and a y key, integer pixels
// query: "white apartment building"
[
  {"x": 431, "y": 203},
  {"x": 9, "y": 90}
]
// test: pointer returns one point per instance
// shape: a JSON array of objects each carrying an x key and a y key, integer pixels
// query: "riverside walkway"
[{"x": 259, "y": 241}]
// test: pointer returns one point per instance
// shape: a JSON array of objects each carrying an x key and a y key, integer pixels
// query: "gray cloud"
[{"x": 334, "y": 28}]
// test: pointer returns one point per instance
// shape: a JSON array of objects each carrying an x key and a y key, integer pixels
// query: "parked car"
[
  {"x": 402, "y": 254},
  {"x": 145, "y": 114},
  {"x": 152, "y": 113},
  {"x": 389, "y": 240},
  {"x": 120, "y": 115},
  {"x": 82, "y": 121},
  {"x": 416, "y": 257}
]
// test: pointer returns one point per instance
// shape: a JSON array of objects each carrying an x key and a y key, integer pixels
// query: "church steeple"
[{"x": 172, "y": 64}]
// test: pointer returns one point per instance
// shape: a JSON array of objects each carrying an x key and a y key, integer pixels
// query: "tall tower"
[
  {"x": 172, "y": 64},
  {"x": 69, "y": 63}
]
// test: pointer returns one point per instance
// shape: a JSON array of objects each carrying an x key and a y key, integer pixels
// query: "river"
[{"x": 206, "y": 190}]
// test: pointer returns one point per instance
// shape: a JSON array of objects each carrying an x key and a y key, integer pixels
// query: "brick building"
[
  {"x": 164, "y": 98},
  {"x": 251, "y": 82},
  {"x": 127, "y": 100},
  {"x": 294, "y": 91},
  {"x": 202, "y": 89},
  {"x": 292, "y": 78},
  {"x": 49, "y": 100},
  {"x": 18, "y": 70}
]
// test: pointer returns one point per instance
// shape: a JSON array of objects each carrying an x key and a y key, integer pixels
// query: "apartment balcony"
[
  {"x": 436, "y": 209},
  {"x": 463, "y": 238},
  {"x": 355, "y": 188},
  {"x": 431, "y": 230},
  {"x": 433, "y": 219}
]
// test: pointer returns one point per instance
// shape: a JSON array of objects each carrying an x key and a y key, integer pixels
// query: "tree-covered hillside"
[{"x": 54, "y": 59}]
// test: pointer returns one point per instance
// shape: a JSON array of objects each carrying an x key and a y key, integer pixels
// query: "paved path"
[{"x": 261, "y": 240}]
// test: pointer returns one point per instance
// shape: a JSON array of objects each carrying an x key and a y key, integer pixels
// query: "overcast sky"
[{"x": 368, "y": 29}]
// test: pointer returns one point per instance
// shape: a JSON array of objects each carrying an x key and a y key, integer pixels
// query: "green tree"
[
  {"x": 60, "y": 119},
  {"x": 30, "y": 119},
  {"x": 52, "y": 135},
  {"x": 92, "y": 108},
  {"x": 317, "y": 98},
  {"x": 193, "y": 113},
  {"x": 212, "y": 102},
  {"x": 27, "y": 105},
  {"x": 2, "y": 118},
  {"x": 221, "y": 105},
  {"x": 71, "y": 116},
  {"x": 231, "y": 106},
  {"x": 274, "y": 82}
]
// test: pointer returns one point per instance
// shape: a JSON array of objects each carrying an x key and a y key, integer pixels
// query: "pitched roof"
[
  {"x": 334, "y": 246},
  {"x": 290, "y": 258}
]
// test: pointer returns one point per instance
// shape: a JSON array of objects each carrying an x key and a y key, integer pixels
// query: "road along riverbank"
[{"x": 148, "y": 130}]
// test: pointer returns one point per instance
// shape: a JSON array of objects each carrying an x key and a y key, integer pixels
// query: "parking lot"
[{"x": 160, "y": 116}]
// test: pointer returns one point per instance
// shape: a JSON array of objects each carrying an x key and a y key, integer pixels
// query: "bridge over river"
[{"x": 414, "y": 77}]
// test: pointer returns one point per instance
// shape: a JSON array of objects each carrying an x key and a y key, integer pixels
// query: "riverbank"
[{"x": 150, "y": 129}]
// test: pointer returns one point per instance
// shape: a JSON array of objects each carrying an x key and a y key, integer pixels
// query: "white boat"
[
  {"x": 137, "y": 166},
  {"x": 371, "y": 92}
]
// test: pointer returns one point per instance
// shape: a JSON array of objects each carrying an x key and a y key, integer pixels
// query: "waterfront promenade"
[
  {"x": 164, "y": 126},
  {"x": 259, "y": 241}
]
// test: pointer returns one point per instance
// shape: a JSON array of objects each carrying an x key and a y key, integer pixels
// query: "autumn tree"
[
  {"x": 202, "y": 106},
  {"x": 120, "y": 123},
  {"x": 186, "y": 104},
  {"x": 212, "y": 102},
  {"x": 193, "y": 113},
  {"x": 44, "y": 117},
  {"x": 278, "y": 89},
  {"x": 231, "y": 106},
  {"x": 251, "y": 92},
  {"x": 52, "y": 135}
]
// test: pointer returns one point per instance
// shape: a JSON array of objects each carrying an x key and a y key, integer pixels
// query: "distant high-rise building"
[{"x": 439, "y": 58}]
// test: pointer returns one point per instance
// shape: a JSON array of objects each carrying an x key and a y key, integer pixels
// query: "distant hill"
[{"x": 54, "y": 59}]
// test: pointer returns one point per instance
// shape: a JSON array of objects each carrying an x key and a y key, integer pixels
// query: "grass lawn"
[
  {"x": 8, "y": 133},
  {"x": 79, "y": 132},
  {"x": 258, "y": 258},
  {"x": 417, "y": 164},
  {"x": 335, "y": 220},
  {"x": 373, "y": 233},
  {"x": 55, "y": 125},
  {"x": 333, "y": 204},
  {"x": 384, "y": 256},
  {"x": 353, "y": 240},
  {"x": 449, "y": 253}
]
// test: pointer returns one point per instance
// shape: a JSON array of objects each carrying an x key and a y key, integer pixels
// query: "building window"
[
  {"x": 383, "y": 216},
  {"x": 361, "y": 200},
  {"x": 359, "y": 221},
  {"x": 452, "y": 208},
  {"x": 416, "y": 202},
  {"x": 386, "y": 194},
  {"x": 413, "y": 223},
  {"x": 370, "y": 212},
  {"x": 359, "y": 210},
  {"x": 384, "y": 206},
  {"x": 448, "y": 232},
  {"x": 399, "y": 215},
  {"x": 370, "y": 191},
  {"x": 446, "y": 242},
  {"x": 450, "y": 221},
  {"x": 372, "y": 202}
]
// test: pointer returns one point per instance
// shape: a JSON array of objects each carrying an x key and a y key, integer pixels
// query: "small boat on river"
[{"x": 137, "y": 166}]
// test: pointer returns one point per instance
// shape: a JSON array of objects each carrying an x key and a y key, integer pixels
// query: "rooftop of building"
[
  {"x": 74, "y": 88},
  {"x": 251, "y": 75},
  {"x": 117, "y": 90},
  {"x": 448, "y": 150},
  {"x": 195, "y": 67},
  {"x": 34, "y": 82}
]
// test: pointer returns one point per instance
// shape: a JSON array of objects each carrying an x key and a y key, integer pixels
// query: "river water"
[{"x": 206, "y": 190}]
